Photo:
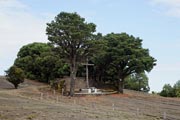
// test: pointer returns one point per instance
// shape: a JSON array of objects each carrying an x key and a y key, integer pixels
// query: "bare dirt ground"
[{"x": 35, "y": 101}]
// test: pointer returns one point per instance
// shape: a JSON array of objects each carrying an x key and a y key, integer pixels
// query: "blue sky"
[{"x": 157, "y": 22}]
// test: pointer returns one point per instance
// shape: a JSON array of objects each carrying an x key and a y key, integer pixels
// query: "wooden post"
[
  {"x": 164, "y": 116},
  {"x": 137, "y": 112},
  {"x": 54, "y": 92},
  {"x": 41, "y": 96},
  {"x": 93, "y": 105},
  {"x": 47, "y": 97},
  {"x": 113, "y": 106},
  {"x": 74, "y": 101},
  {"x": 57, "y": 99},
  {"x": 62, "y": 91}
]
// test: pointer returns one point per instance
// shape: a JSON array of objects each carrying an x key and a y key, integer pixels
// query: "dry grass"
[{"x": 26, "y": 104}]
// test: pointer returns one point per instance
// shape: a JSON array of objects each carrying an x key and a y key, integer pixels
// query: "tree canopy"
[
  {"x": 72, "y": 35},
  {"x": 169, "y": 91},
  {"x": 123, "y": 55},
  {"x": 177, "y": 88},
  {"x": 39, "y": 62},
  {"x": 138, "y": 82}
]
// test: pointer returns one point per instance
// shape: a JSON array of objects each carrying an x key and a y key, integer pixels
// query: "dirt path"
[{"x": 30, "y": 103}]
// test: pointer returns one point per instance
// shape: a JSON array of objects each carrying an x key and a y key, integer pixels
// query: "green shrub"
[
  {"x": 58, "y": 85},
  {"x": 168, "y": 91},
  {"x": 15, "y": 75}
]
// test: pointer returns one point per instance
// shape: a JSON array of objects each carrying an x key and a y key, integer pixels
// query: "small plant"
[
  {"x": 154, "y": 93},
  {"x": 30, "y": 117},
  {"x": 61, "y": 85},
  {"x": 58, "y": 85}
]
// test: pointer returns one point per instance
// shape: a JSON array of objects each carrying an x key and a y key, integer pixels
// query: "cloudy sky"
[{"x": 157, "y": 22}]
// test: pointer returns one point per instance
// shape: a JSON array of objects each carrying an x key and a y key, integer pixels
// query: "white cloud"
[
  {"x": 9, "y": 4},
  {"x": 171, "y": 7},
  {"x": 18, "y": 27},
  {"x": 168, "y": 2}
]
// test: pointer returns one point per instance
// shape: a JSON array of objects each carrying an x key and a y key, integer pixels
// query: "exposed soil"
[{"x": 36, "y": 101}]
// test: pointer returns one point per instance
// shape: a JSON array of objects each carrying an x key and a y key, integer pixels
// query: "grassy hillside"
[{"x": 35, "y": 101}]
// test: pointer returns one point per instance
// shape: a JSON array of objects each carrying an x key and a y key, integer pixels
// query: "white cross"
[{"x": 87, "y": 72}]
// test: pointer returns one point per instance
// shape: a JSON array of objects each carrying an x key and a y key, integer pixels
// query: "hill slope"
[
  {"x": 35, "y": 101},
  {"x": 4, "y": 84}
]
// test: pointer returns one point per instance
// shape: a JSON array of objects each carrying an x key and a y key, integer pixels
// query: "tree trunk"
[
  {"x": 16, "y": 86},
  {"x": 120, "y": 86},
  {"x": 73, "y": 70},
  {"x": 139, "y": 86}
]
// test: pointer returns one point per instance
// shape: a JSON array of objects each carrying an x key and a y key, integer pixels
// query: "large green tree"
[
  {"x": 127, "y": 56},
  {"x": 27, "y": 56},
  {"x": 39, "y": 62},
  {"x": 73, "y": 36}
]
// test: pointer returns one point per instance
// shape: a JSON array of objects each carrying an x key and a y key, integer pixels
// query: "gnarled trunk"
[
  {"x": 120, "y": 85},
  {"x": 72, "y": 83},
  {"x": 16, "y": 86},
  {"x": 73, "y": 70}
]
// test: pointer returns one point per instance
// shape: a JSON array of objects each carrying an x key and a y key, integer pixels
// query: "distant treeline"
[{"x": 171, "y": 91}]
